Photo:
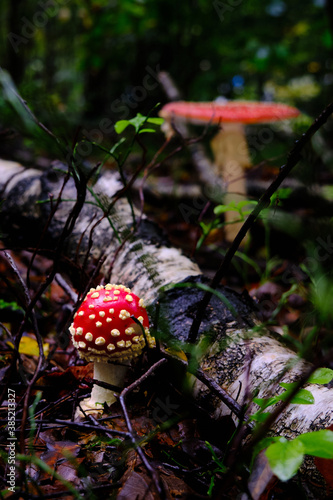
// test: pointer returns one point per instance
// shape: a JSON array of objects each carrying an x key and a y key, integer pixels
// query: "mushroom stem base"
[{"x": 111, "y": 374}]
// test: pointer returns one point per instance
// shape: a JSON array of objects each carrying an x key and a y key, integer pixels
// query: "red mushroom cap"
[
  {"x": 103, "y": 328},
  {"x": 245, "y": 112}
]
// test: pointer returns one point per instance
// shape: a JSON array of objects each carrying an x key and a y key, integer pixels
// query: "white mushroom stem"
[
  {"x": 231, "y": 158},
  {"x": 110, "y": 373}
]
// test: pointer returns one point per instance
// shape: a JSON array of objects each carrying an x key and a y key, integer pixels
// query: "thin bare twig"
[
  {"x": 54, "y": 208},
  {"x": 155, "y": 477},
  {"x": 65, "y": 286},
  {"x": 216, "y": 389}
]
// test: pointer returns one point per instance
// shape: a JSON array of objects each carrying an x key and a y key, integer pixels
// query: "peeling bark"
[{"x": 237, "y": 360}]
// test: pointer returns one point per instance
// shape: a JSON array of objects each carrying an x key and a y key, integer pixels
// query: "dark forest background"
[{"x": 77, "y": 62}]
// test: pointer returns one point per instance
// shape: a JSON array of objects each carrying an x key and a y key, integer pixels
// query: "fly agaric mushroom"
[
  {"x": 231, "y": 153},
  {"x": 104, "y": 332}
]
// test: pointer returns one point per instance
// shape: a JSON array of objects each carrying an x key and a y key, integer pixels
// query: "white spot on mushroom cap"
[
  {"x": 91, "y": 306},
  {"x": 101, "y": 314},
  {"x": 98, "y": 324},
  {"x": 100, "y": 341},
  {"x": 121, "y": 343},
  {"x": 124, "y": 314},
  {"x": 115, "y": 332},
  {"x": 79, "y": 330},
  {"x": 111, "y": 347},
  {"x": 80, "y": 313},
  {"x": 141, "y": 303},
  {"x": 129, "y": 298},
  {"x": 92, "y": 316},
  {"x": 116, "y": 292},
  {"x": 95, "y": 295},
  {"x": 111, "y": 311},
  {"x": 108, "y": 320},
  {"x": 89, "y": 336},
  {"x": 129, "y": 330},
  {"x": 81, "y": 344}
]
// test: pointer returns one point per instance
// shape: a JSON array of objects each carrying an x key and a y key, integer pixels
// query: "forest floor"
[{"x": 183, "y": 451}]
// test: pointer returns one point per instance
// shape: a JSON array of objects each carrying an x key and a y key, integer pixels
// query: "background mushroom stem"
[{"x": 231, "y": 158}]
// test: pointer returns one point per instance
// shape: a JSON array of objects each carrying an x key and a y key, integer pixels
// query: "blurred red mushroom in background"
[{"x": 229, "y": 146}]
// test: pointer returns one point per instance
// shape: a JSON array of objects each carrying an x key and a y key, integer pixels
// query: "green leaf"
[
  {"x": 121, "y": 125},
  {"x": 303, "y": 396},
  {"x": 147, "y": 130},
  {"x": 285, "y": 458},
  {"x": 221, "y": 209},
  {"x": 12, "y": 305},
  {"x": 321, "y": 376},
  {"x": 289, "y": 386},
  {"x": 205, "y": 227},
  {"x": 317, "y": 443},
  {"x": 265, "y": 402},
  {"x": 138, "y": 121},
  {"x": 11, "y": 94},
  {"x": 281, "y": 194},
  {"x": 156, "y": 121},
  {"x": 246, "y": 203},
  {"x": 232, "y": 206},
  {"x": 264, "y": 443},
  {"x": 259, "y": 416}
]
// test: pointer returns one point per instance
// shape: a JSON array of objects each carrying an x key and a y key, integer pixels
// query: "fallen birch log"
[{"x": 238, "y": 359}]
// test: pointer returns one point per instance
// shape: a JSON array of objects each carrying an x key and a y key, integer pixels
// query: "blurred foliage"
[{"x": 79, "y": 62}]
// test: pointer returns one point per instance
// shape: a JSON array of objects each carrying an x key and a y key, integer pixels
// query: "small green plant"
[
  {"x": 303, "y": 397},
  {"x": 10, "y": 305},
  {"x": 219, "y": 469},
  {"x": 139, "y": 123},
  {"x": 243, "y": 208},
  {"x": 285, "y": 456}
]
